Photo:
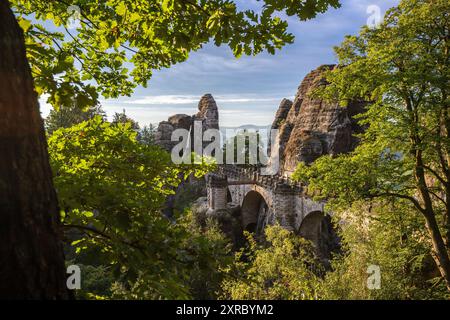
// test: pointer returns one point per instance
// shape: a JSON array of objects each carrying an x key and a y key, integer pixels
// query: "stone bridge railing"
[{"x": 250, "y": 175}]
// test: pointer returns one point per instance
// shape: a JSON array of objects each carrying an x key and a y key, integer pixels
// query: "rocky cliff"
[
  {"x": 208, "y": 114},
  {"x": 310, "y": 127},
  {"x": 192, "y": 188}
]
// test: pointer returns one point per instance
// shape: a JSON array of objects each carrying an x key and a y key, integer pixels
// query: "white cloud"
[
  {"x": 234, "y": 109},
  {"x": 162, "y": 99},
  {"x": 193, "y": 99}
]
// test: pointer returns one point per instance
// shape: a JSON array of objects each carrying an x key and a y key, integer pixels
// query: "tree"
[
  {"x": 284, "y": 268},
  {"x": 210, "y": 255},
  {"x": 403, "y": 68},
  {"x": 67, "y": 116},
  {"x": 32, "y": 260},
  {"x": 374, "y": 236},
  {"x": 123, "y": 118},
  {"x": 248, "y": 148},
  {"x": 112, "y": 190},
  {"x": 147, "y": 134}
]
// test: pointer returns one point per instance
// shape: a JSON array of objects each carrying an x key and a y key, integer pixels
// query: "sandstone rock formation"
[
  {"x": 208, "y": 114},
  {"x": 310, "y": 127},
  {"x": 281, "y": 115},
  {"x": 165, "y": 128},
  {"x": 279, "y": 121}
]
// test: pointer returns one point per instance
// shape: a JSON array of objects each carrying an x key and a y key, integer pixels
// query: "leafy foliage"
[
  {"x": 113, "y": 182},
  {"x": 211, "y": 255},
  {"x": 284, "y": 268},
  {"x": 146, "y": 135},
  {"x": 390, "y": 235},
  {"x": 68, "y": 116},
  {"x": 248, "y": 148},
  {"x": 402, "y": 67},
  {"x": 112, "y": 189},
  {"x": 123, "y": 118},
  {"x": 95, "y": 282}
]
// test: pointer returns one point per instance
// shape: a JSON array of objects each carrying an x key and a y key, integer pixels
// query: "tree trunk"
[
  {"x": 31, "y": 254},
  {"x": 440, "y": 254}
]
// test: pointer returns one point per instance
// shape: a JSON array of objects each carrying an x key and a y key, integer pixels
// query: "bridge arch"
[
  {"x": 254, "y": 211},
  {"x": 318, "y": 228},
  {"x": 229, "y": 196},
  {"x": 311, "y": 226}
]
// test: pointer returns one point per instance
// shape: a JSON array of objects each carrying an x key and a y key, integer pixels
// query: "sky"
[{"x": 247, "y": 90}]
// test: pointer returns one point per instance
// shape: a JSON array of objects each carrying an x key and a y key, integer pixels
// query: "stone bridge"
[
  {"x": 266, "y": 200},
  {"x": 308, "y": 128}
]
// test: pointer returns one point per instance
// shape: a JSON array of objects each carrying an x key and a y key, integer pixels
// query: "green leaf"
[
  {"x": 24, "y": 24},
  {"x": 121, "y": 9}
]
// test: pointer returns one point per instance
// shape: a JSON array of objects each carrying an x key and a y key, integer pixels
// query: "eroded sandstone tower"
[
  {"x": 208, "y": 114},
  {"x": 311, "y": 127}
]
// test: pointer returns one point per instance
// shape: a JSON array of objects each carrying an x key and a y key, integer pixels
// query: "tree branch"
[
  {"x": 435, "y": 174},
  {"x": 102, "y": 234},
  {"x": 401, "y": 196}
]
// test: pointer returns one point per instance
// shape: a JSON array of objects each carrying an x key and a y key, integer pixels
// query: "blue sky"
[{"x": 247, "y": 90}]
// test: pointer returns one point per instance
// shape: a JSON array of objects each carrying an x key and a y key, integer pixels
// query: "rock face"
[
  {"x": 311, "y": 127},
  {"x": 282, "y": 113},
  {"x": 208, "y": 114},
  {"x": 165, "y": 128},
  {"x": 280, "y": 121}
]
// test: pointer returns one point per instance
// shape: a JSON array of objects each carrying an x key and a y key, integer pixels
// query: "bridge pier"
[
  {"x": 217, "y": 192},
  {"x": 284, "y": 203}
]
